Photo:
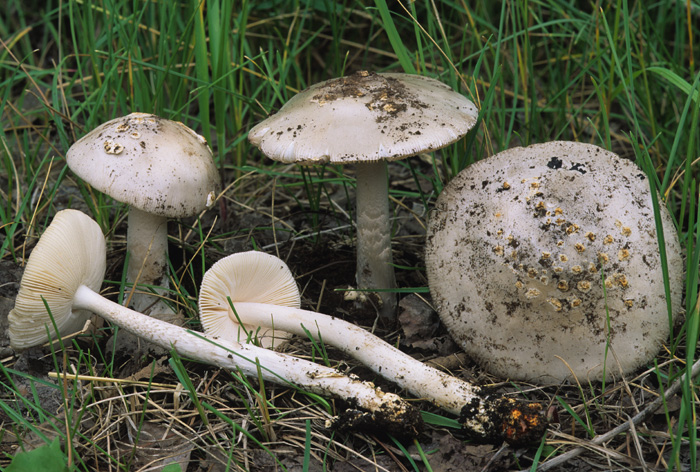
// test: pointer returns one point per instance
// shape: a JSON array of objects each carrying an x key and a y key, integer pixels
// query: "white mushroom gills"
[
  {"x": 367, "y": 119},
  {"x": 259, "y": 290},
  {"x": 63, "y": 270},
  {"x": 569, "y": 216}
]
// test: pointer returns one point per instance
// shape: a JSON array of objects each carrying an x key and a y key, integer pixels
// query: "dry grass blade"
[{"x": 624, "y": 427}]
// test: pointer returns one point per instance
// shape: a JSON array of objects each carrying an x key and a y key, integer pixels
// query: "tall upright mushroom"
[
  {"x": 63, "y": 272},
  {"x": 162, "y": 169},
  {"x": 367, "y": 119},
  {"x": 246, "y": 287},
  {"x": 543, "y": 262}
]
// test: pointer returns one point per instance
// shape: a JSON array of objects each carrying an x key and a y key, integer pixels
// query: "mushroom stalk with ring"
[{"x": 375, "y": 269}]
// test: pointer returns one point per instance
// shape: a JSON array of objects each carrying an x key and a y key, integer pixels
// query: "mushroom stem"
[
  {"x": 375, "y": 268},
  {"x": 147, "y": 245},
  {"x": 255, "y": 289},
  {"x": 274, "y": 367},
  {"x": 380, "y": 356},
  {"x": 482, "y": 417}
]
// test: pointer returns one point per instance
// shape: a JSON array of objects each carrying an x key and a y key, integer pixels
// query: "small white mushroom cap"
[
  {"x": 518, "y": 247},
  {"x": 161, "y": 169},
  {"x": 151, "y": 163},
  {"x": 249, "y": 277},
  {"x": 54, "y": 275},
  {"x": 365, "y": 117}
]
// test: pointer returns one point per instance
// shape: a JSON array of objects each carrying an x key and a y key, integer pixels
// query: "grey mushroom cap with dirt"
[
  {"x": 367, "y": 119},
  {"x": 543, "y": 262},
  {"x": 160, "y": 168},
  {"x": 65, "y": 270}
]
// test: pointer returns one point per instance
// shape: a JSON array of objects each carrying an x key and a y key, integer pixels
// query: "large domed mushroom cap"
[
  {"x": 151, "y": 163},
  {"x": 365, "y": 117},
  {"x": 534, "y": 252}
]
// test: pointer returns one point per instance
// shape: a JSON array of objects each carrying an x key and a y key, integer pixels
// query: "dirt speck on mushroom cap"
[
  {"x": 365, "y": 116},
  {"x": 520, "y": 246}
]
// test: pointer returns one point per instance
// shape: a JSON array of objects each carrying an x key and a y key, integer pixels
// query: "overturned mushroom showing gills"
[
  {"x": 58, "y": 272},
  {"x": 367, "y": 119},
  {"x": 543, "y": 262},
  {"x": 162, "y": 169},
  {"x": 245, "y": 287}
]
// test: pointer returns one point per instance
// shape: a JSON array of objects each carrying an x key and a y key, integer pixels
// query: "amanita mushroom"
[
  {"x": 63, "y": 271},
  {"x": 543, "y": 263},
  {"x": 162, "y": 169},
  {"x": 367, "y": 119},
  {"x": 245, "y": 288}
]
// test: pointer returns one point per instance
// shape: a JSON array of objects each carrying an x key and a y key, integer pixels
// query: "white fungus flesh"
[{"x": 543, "y": 263}]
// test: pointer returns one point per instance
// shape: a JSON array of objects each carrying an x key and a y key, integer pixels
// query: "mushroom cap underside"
[
  {"x": 543, "y": 261},
  {"x": 70, "y": 253},
  {"x": 250, "y": 276},
  {"x": 157, "y": 165},
  {"x": 365, "y": 117}
]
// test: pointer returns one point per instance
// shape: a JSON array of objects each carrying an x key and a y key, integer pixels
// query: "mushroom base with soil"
[{"x": 222, "y": 304}]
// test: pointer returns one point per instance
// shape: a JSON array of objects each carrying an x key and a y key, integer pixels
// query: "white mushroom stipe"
[
  {"x": 225, "y": 299},
  {"x": 537, "y": 308},
  {"x": 161, "y": 169},
  {"x": 147, "y": 243},
  {"x": 249, "y": 359},
  {"x": 374, "y": 258},
  {"x": 58, "y": 274},
  {"x": 366, "y": 119}
]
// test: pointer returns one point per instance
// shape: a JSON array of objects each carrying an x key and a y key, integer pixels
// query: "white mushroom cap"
[
  {"x": 151, "y": 163},
  {"x": 365, "y": 117},
  {"x": 249, "y": 277},
  {"x": 518, "y": 245},
  {"x": 55, "y": 275}
]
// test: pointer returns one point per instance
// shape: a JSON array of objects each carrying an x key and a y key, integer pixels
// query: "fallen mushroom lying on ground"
[
  {"x": 241, "y": 293},
  {"x": 65, "y": 270},
  {"x": 544, "y": 264}
]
